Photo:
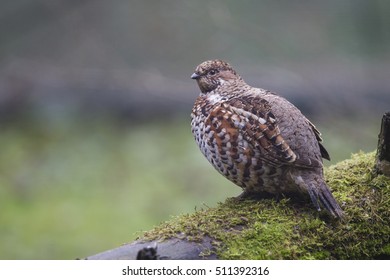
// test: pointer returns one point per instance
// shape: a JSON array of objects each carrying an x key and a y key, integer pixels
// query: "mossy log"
[{"x": 284, "y": 229}]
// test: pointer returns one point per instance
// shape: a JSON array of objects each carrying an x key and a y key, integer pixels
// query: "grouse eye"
[{"x": 212, "y": 72}]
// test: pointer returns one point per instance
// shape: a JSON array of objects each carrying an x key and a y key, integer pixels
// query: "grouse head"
[{"x": 213, "y": 73}]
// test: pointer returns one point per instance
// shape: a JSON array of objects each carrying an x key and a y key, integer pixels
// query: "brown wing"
[
  {"x": 253, "y": 119},
  {"x": 324, "y": 152}
]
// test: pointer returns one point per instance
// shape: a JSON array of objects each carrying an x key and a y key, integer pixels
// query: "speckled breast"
[{"x": 221, "y": 137}]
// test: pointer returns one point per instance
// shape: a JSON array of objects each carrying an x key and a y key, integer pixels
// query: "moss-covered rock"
[{"x": 290, "y": 229}]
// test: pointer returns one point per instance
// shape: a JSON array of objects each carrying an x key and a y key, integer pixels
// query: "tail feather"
[{"x": 321, "y": 194}]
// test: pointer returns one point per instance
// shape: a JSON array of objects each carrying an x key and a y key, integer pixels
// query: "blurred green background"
[{"x": 95, "y": 98}]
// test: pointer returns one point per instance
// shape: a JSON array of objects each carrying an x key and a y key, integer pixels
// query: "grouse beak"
[{"x": 195, "y": 76}]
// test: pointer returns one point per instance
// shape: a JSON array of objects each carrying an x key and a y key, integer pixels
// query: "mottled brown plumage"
[{"x": 257, "y": 139}]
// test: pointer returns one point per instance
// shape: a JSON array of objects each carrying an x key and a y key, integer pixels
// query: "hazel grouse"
[{"x": 257, "y": 139}]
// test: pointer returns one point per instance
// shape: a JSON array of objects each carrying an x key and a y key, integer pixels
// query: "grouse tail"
[{"x": 321, "y": 195}]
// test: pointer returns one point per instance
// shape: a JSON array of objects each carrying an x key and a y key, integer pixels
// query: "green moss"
[{"x": 288, "y": 229}]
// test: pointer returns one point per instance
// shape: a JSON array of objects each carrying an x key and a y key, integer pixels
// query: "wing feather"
[{"x": 259, "y": 127}]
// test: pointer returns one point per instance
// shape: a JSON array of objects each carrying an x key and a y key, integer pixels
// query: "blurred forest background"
[{"x": 95, "y": 98}]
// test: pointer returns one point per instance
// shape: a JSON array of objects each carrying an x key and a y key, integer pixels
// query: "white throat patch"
[{"x": 214, "y": 98}]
